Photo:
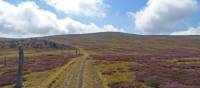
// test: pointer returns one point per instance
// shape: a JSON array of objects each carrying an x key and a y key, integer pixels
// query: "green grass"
[
  {"x": 69, "y": 76},
  {"x": 35, "y": 79},
  {"x": 46, "y": 78},
  {"x": 126, "y": 76},
  {"x": 88, "y": 75}
]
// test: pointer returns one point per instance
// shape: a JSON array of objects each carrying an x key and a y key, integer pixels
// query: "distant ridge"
[{"x": 112, "y": 41}]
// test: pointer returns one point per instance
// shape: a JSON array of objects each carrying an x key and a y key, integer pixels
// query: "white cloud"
[
  {"x": 28, "y": 20},
  {"x": 77, "y": 27},
  {"x": 164, "y": 16},
  {"x": 92, "y": 8},
  {"x": 190, "y": 31}
]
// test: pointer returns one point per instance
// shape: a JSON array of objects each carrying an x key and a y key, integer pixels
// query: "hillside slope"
[
  {"x": 114, "y": 42},
  {"x": 111, "y": 43},
  {"x": 107, "y": 60}
]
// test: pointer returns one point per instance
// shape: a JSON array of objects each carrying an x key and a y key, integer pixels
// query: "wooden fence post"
[
  {"x": 19, "y": 81},
  {"x": 5, "y": 63},
  {"x": 79, "y": 52},
  {"x": 76, "y": 52}
]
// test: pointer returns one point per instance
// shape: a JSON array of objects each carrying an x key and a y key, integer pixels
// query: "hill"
[
  {"x": 112, "y": 43},
  {"x": 107, "y": 60},
  {"x": 115, "y": 42}
]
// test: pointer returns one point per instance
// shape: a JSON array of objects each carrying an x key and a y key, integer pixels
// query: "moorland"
[{"x": 106, "y": 60}]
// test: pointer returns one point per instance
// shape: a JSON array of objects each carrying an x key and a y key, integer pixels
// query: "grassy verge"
[
  {"x": 88, "y": 75},
  {"x": 69, "y": 76},
  {"x": 51, "y": 79},
  {"x": 35, "y": 79},
  {"x": 113, "y": 72},
  {"x": 43, "y": 79}
]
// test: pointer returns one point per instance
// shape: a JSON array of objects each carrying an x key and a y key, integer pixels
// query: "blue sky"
[{"x": 146, "y": 17}]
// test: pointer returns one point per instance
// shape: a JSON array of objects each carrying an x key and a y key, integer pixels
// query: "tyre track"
[
  {"x": 82, "y": 67},
  {"x": 96, "y": 80},
  {"x": 51, "y": 81}
]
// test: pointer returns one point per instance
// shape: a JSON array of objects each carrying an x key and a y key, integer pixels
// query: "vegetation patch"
[
  {"x": 114, "y": 71},
  {"x": 121, "y": 85},
  {"x": 32, "y": 64},
  {"x": 108, "y": 72}
]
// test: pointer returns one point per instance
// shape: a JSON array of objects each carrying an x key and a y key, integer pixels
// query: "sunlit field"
[{"x": 141, "y": 62}]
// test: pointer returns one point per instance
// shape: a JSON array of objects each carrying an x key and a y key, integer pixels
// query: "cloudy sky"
[{"x": 31, "y": 18}]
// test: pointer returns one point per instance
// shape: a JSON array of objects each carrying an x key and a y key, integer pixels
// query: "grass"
[
  {"x": 33, "y": 53},
  {"x": 54, "y": 76},
  {"x": 188, "y": 61},
  {"x": 43, "y": 79},
  {"x": 126, "y": 76},
  {"x": 38, "y": 79},
  {"x": 69, "y": 76},
  {"x": 8, "y": 86},
  {"x": 34, "y": 79},
  {"x": 88, "y": 75}
]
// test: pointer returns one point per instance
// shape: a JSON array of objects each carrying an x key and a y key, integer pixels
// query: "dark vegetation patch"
[
  {"x": 109, "y": 72},
  {"x": 121, "y": 70},
  {"x": 33, "y": 64},
  {"x": 121, "y": 85}
]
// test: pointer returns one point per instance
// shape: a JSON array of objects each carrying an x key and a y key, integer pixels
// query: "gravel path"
[{"x": 82, "y": 67}]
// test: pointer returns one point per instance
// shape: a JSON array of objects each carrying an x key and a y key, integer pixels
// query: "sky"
[{"x": 34, "y": 18}]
